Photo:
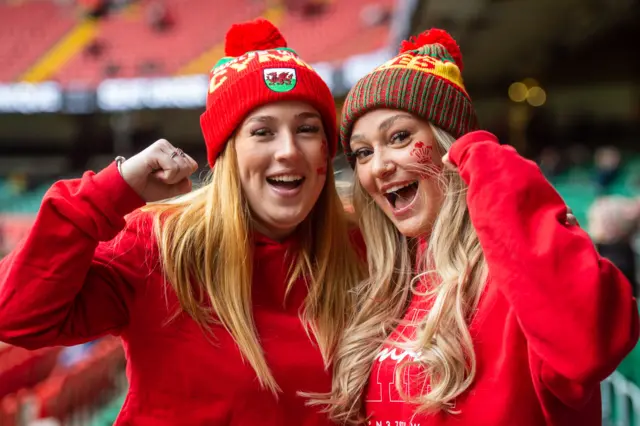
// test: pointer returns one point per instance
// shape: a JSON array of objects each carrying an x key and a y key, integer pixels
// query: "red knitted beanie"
[{"x": 259, "y": 69}]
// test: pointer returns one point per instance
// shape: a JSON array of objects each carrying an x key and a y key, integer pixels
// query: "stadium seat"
[{"x": 28, "y": 30}]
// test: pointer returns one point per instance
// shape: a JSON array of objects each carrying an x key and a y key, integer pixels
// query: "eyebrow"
[
  {"x": 260, "y": 118},
  {"x": 355, "y": 138},
  {"x": 309, "y": 115},
  {"x": 265, "y": 118},
  {"x": 383, "y": 127}
]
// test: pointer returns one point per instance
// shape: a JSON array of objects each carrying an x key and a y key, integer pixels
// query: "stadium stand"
[
  {"x": 28, "y": 30},
  {"x": 37, "y": 385},
  {"x": 46, "y": 42},
  {"x": 132, "y": 47}
]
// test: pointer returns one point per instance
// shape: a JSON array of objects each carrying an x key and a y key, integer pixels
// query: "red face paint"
[
  {"x": 422, "y": 153},
  {"x": 322, "y": 170}
]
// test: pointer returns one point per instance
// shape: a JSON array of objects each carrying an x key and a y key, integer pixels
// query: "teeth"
[
  {"x": 286, "y": 178},
  {"x": 398, "y": 187}
]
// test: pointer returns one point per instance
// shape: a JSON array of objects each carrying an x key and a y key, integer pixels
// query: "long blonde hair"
[
  {"x": 456, "y": 271},
  {"x": 204, "y": 241}
]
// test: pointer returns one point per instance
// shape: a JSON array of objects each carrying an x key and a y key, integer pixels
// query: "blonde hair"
[
  {"x": 204, "y": 241},
  {"x": 456, "y": 270}
]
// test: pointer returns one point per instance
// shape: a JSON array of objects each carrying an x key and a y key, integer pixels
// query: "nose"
[
  {"x": 381, "y": 166},
  {"x": 287, "y": 148}
]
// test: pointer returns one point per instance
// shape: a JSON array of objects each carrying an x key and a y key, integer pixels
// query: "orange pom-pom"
[
  {"x": 259, "y": 34},
  {"x": 434, "y": 36}
]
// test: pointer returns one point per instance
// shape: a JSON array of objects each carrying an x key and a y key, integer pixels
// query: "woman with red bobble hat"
[
  {"x": 496, "y": 309},
  {"x": 230, "y": 298}
]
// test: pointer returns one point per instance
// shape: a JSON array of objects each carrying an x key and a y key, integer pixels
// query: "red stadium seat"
[
  {"x": 9, "y": 411},
  {"x": 82, "y": 386},
  {"x": 20, "y": 368},
  {"x": 28, "y": 30}
]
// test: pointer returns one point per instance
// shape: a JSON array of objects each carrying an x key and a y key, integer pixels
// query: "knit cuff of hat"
[{"x": 424, "y": 79}]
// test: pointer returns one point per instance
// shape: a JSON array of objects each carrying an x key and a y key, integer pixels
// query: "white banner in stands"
[
  {"x": 358, "y": 66},
  {"x": 27, "y": 98},
  {"x": 325, "y": 71},
  {"x": 153, "y": 93}
]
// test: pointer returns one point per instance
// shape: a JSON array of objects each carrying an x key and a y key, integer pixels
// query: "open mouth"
[
  {"x": 286, "y": 182},
  {"x": 402, "y": 196}
]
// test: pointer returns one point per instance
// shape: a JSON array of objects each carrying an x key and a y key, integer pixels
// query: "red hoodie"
[
  {"x": 555, "y": 318},
  {"x": 70, "y": 281}
]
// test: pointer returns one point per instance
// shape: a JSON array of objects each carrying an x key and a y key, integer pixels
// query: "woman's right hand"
[{"x": 159, "y": 172}]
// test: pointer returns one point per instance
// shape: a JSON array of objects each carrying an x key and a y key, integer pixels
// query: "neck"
[{"x": 276, "y": 234}]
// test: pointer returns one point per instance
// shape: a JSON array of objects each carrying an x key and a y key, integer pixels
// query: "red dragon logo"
[{"x": 280, "y": 78}]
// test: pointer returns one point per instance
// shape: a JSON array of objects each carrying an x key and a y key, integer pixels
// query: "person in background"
[
  {"x": 484, "y": 304},
  {"x": 613, "y": 224},
  {"x": 607, "y": 161},
  {"x": 550, "y": 162},
  {"x": 229, "y": 299}
]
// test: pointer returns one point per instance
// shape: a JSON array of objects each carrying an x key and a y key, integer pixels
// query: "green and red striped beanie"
[
  {"x": 259, "y": 69},
  {"x": 425, "y": 79}
]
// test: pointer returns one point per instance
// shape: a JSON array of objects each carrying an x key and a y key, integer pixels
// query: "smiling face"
[
  {"x": 282, "y": 159},
  {"x": 398, "y": 163}
]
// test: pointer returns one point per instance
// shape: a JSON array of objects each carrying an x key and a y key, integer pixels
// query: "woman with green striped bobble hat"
[
  {"x": 229, "y": 299},
  {"x": 486, "y": 303}
]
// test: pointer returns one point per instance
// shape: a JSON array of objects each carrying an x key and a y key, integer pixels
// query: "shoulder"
[{"x": 135, "y": 244}]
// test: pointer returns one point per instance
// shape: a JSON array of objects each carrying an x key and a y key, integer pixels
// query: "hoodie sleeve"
[
  {"x": 70, "y": 281},
  {"x": 575, "y": 308}
]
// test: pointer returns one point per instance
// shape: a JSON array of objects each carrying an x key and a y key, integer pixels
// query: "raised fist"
[{"x": 159, "y": 172}]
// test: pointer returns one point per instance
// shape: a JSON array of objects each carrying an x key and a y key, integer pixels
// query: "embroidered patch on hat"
[{"x": 280, "y": 79}]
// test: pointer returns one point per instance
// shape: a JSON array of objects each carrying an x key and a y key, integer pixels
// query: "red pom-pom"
[
  {"x": 259, "y": 34},
  {"x": 434, "y": 36}
]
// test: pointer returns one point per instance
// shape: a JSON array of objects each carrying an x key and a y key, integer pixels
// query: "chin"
[
  {"x": 416, "y": 225},
  {"x": 286, "y": 220},
  {"x": 412, "y": 228}
]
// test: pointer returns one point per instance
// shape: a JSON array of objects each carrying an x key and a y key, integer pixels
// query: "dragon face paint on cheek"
[{"x": 322, "y": 170}]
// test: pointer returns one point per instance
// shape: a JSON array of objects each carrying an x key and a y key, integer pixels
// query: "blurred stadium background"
[{"x": 82, "y": 81}]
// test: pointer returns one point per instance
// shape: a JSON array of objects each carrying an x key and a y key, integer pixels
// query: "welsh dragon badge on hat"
[{"x": 280, "y": 79}]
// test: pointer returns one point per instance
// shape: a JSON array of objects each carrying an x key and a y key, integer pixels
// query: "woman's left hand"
[
  {"x": 571, "y": 219},
  {"x": 447, "y": 163}
]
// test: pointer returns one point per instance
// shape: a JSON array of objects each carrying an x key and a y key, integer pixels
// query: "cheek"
[
  {"x": 433, "y": 192},
  {"x": 324, "y": 154},
  {"x": 366, "y": 179},
  {"x": 252, "y": 165},
  {"x": 422, "y": 154}
]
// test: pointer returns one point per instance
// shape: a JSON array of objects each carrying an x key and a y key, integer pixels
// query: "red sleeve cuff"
[
  {"x": 459, "y": 149},
  {"x": 122, "y": 197}
]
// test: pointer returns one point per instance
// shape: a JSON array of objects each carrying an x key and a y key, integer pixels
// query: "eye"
[
  {"x": 263, "y": 131},
  {"x": 400, "y": 136},
  {"x": 362, "y": 153},
  {"x": 308, "y": 128}
]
